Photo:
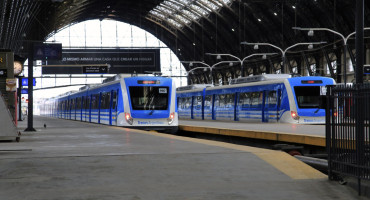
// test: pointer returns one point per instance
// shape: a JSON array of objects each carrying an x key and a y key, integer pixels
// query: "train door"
[
  {"x": 208, "y": 107},
  {"x": 113, "y": 109}
]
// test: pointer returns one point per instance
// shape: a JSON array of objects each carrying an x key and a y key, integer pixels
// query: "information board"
[
  {"x": 119, "y": 60},
  {"x": 47, "y": 51}
]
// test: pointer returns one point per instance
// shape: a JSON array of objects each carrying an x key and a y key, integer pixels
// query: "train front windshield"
[
  {"x": 308, "y": 96},
  {"x": 149, "y": 97}
]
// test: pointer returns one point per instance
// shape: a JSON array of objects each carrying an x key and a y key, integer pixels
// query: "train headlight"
[
  {"x": 129, "y": 118},
  {"x": 171, "y": 118},
  {"x": 294, "y": 115}
]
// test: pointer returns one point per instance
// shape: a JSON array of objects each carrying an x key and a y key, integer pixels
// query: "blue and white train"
[
  {"x": 144, "y": 102},
  {"x": 262, "y": 98}
]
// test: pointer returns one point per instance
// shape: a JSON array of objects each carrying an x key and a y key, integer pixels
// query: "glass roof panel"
[
  {"x": 183, "y": 19},
  {"x": 173, "y": 11},
  {"x": 191, "y": 15}
]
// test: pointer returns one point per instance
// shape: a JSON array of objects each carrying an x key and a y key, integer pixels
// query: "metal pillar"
[
  {"x": 30, "y": 90},
  {"x": 359, "y": 81}
]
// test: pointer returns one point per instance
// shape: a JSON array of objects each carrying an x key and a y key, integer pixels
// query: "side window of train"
[
  {"x": 114, "y": 100},
  {"x": 272, "y": 98},
  {"x": 222, "y": 100},
  {"x": 105, "y": 100},
  {"x": 245, "y": 99},
  {"x": 255, "y": 99},
  {"x": 179, "y": 102},
  {"x": 187, "y": 102},
  {"x": 102, "y": 101},
  {"x": 198, "y": 102},
  {"x": 95, "y": 101},
  {"x": 86, "y": 103},
  {"x": 229, "y": 100},
  {"x": 217, "y": 101},
  {"x": 208, "y": 101}
]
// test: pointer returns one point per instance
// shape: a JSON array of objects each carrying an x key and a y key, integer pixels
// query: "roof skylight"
[{"x": 179, "y": 13}]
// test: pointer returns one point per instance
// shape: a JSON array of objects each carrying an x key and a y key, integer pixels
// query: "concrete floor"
[{"x": 71, "y": 160}]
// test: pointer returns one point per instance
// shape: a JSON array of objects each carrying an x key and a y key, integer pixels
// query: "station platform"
[
  {"x": 77, "y": 160},
  {"x": 279, "y": 132}
]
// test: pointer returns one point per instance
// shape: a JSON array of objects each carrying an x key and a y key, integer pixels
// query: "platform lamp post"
[
  {"x": 204, "y": 69},
  {"x": 223, "y": 62},
  {"x": 283, "y": 52},
  {"x": 199, "y": 62},
  {"x": 241, "y": 60},
  {"x": 345, "y": 39}
]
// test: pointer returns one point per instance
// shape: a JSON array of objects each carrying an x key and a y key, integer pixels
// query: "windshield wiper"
[{"x": 318, "y": 108}]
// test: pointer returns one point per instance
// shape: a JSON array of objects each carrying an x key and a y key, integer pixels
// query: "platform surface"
[
  {"x": 301, "y": 129},
  {"x": 278, "y": 132},
  {"x": 77, "y": 160}
]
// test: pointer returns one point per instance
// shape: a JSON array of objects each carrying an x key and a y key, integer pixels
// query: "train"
[
  {"x": 141, "y": 102},
  {"x": 268, "y": 98}
]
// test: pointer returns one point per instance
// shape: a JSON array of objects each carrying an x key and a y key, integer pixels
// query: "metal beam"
[
  {"x": 329, "y": 63},
  {"x": 307, "y": 63}
]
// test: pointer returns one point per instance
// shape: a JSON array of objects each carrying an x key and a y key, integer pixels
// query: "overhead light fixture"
[
  {"x": 293, "y": 7},
  {"x": 205, "y": 69},
  {"x": 310, "y": 46},
  {"x": 255, "y": 47},
  {"x": 310, "y": 33},
  {"x": 193, "y": 44},
  {"x": 232, "y": 30},
  {"x": 218, "y": 57},
  {"x": 191, "y": 64},
  {"x": 275, "y": 13},
  {"x": 231, "y": 64},
  {"x": 264, "y": 56},
  {"x": 259, "y": 19}
]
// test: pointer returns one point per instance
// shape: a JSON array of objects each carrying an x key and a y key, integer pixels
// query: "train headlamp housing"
[
  {"x": 171, "y": 118},
  {"x": 129, "y": 118},
  {"x": 294, "y": 115}
]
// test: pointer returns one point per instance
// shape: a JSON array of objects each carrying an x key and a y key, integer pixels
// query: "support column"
[{"x": 30, "y": 90}]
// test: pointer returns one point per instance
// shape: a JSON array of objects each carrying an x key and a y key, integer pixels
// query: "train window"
[
  {"x": 187, "y": 102},
  {"x": 149, "y": 97},
  {"x": 95, "y": 101},
  {"x": 114, "y": 100},
  {"x": 256, "y": 98},
  {"x": 208, "y": 101},
  {"x": 272, "y": 98},
  {"x": 217, "y": 101},
  {"x": 102, "y": 101},
  {"x": 222, "y": 101},
  {"x": 197, "y": 102},
  {"x": 229, "y": 100},
  {"x": 87, "y": 103},
  {"x": 78, "y": 103},
  {"x": 308, "y": 96},
  {"x": 105, "y": 100},
  {"x": 245, "y": 99}
]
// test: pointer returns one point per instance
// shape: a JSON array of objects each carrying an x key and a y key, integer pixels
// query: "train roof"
[
  {"x": 257, "y": 78},
  {"x": 264, "y": 81},
  {"x": 193, "y": 87}
]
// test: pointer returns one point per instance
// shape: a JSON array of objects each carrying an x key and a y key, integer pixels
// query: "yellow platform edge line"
[
  {"x": 264, "y": 135},
  {"x": 287, "y": 164}
]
